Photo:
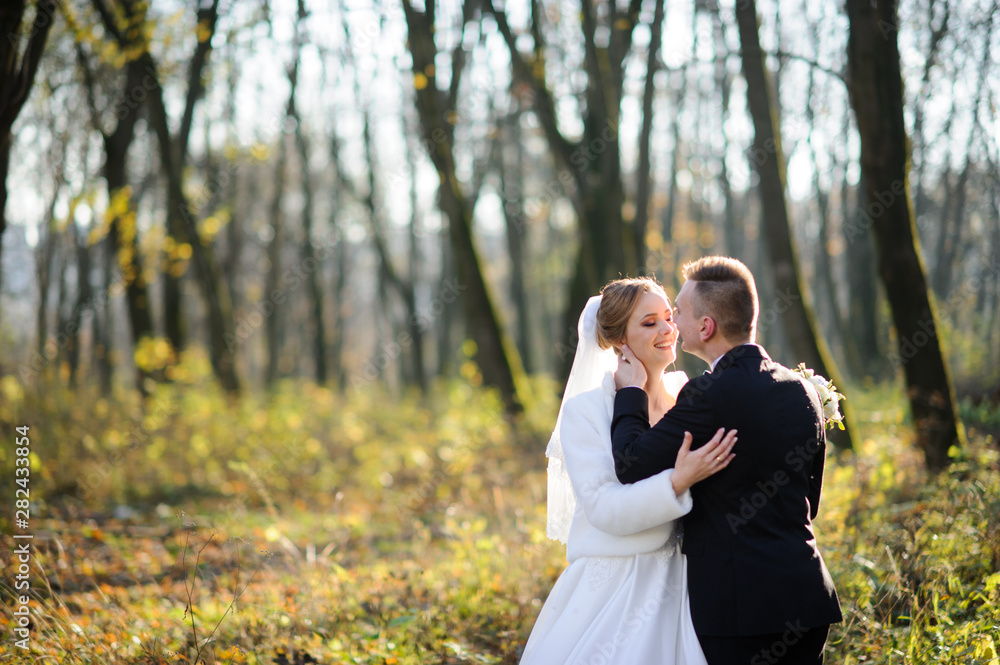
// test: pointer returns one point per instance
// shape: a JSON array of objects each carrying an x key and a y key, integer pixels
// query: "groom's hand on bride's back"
[
  {"x": 630, "y": 373},
  {"x": 709, "y": 459}
]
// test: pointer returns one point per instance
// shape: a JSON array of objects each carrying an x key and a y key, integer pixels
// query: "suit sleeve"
[
  {"x": 816, "y": 477},
  {"x": 614, "y": 508},
  {"x": 818, "y": 461},
  {"x": 640, "y": 450}
]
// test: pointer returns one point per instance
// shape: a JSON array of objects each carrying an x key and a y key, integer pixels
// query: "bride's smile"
[{"x": 652, "y": 333}]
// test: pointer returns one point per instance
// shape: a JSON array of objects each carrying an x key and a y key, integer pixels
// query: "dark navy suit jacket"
[{"x": 753, "y": 564}]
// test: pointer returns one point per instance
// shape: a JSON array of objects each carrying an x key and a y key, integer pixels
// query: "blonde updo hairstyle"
[{"x": 618, "y": 300}]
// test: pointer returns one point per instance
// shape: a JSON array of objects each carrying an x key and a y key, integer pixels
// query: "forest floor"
[{"x": 304, "y": 531}]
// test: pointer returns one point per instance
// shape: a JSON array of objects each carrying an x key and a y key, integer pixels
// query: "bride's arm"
[{"x": 614, "y": 508}]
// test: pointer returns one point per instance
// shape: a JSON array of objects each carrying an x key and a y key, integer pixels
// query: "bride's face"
[{"x": 651, "y": 332}]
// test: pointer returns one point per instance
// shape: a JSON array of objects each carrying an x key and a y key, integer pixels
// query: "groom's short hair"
[{"x": 725, "y": 289}]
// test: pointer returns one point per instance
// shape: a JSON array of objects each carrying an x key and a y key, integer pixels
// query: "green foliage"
[
  {"x": 299, "y": 442},
  {"x": 914, "y": 557},
  {"x": 372, "y": 528},
  {"x": 984, "y": 414}
]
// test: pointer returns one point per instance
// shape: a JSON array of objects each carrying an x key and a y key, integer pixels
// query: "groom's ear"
[{"x": 708, "y": 328}]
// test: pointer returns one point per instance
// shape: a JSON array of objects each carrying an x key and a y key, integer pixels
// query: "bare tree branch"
[
  {"x": 14, "y": 91},
  {"x": 533, "y": 75},
  {"x": 207, "y": 20}
]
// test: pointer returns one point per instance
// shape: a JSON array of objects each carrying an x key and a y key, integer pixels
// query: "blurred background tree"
[
  {"x": 876, "y": 92},
  {"x": 383, "y": 193},
  {"x": 18, "y": 67}
]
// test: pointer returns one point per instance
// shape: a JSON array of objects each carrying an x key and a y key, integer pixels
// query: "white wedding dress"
[{"x": 623, "y": 597}]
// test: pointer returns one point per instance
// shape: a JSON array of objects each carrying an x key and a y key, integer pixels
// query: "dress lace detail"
[
  {"x": 673, "y": 544},
  {"x": 677, "y": 535},
  {"x": 600, "y": 569}
]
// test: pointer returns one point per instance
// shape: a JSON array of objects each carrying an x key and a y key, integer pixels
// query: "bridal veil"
[{"x": 590, "y": 365}]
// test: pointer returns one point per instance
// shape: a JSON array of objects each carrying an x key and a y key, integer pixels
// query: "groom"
[{"x": 759, "y": 590}]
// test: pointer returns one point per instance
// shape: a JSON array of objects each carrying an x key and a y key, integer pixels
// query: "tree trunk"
[
  {"x": 340, "y": 311},
  {"x": 84, "y": 300},
  {"x": 177, "y": 224},
  {"x": 947, "y": 230},
  {"x": 591, "y": 165},
  {"x": 384, "y": 329},
  {"x": 173, "y": 312},
  {"x": 862, "y": 283},
  {"x": 951, "y": 248},
  {"x": 339, "y": 314},
  {"x": 275, "y": 314},
  {"x": 512, "y": 193},
  {"x": 234, "y": 239},
  {"x": 919, "y": 140},
  {"x": 495, "y": 354},
  {"x": 390, "y": 275},
  {"x": 825, "y": 280},
  {"x": 17, "y": 76},
  {"x": 122, "y": 234},
  {"x": 62, "y": 310},
  {"x": 695, "y": 140},
  {"x": 876, "y": 92},
  {"x": 310, "y": 264},
  {"x": 411, "y": 342},
  {"x": 670, "y": 212},
  {"x": 643, "y": 178},
  {"x": 44, "y": 255},
  {"x": 206, "y": 272},
  {"x": 448, "y": 325},
  {"x": 43, "y": 272},
  {"x": 991, "y": 288},
  {"x": 173, "y": 155},
  {"x": 234, "y": 228},
  {"x": 808, "y": 344},
  {"x": 103, "y": 342},
  {"x": 734, "y": 232},
  {"x": 4, "y": 167},
  {"x": 415, "y": 327},
  {"x": 862, "y": 336}
]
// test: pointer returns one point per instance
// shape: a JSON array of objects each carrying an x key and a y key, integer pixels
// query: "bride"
[{"x": 623, "y": 596}]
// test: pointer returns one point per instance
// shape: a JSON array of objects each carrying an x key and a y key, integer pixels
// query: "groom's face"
[{"x": 688, "y": 325}]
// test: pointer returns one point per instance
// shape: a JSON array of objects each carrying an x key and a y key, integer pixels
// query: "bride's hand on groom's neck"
[{"x": 630, "y": 372}]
